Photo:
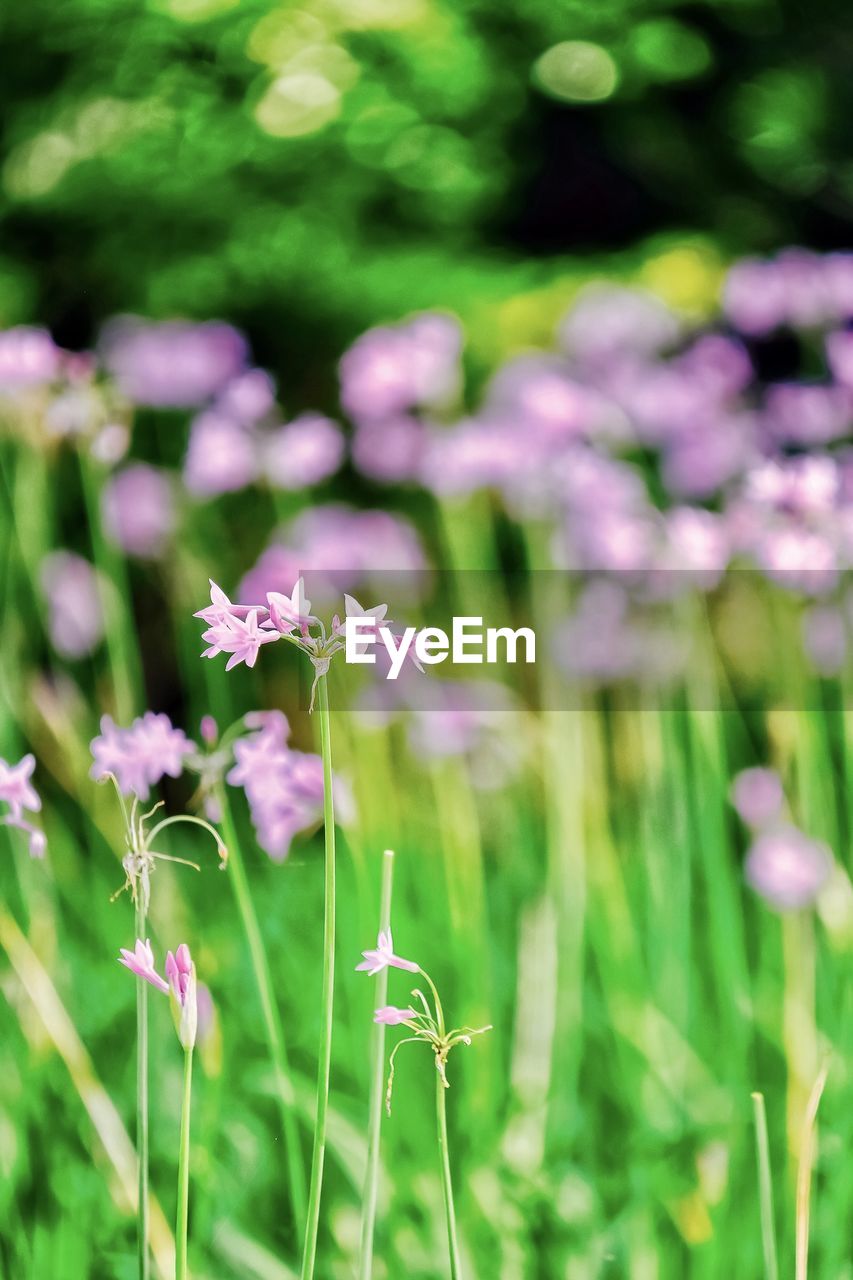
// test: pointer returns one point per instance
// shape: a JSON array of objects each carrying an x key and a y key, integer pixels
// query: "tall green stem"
[
  {"x": 125, "y": 665},
  {"x": 184, "y": 1172},
  {"x": 765, "y": 1187},
  {"x": 269, "y": 1008},
  {"x": 325, "y": 1058},
  {"x": 377, "y": 1089},
  {"x": 447, "y": 1183},
  {"x": 142, "y": 1105}
]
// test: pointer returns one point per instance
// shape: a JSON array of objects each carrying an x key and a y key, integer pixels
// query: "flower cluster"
[
  {"x": 284, "y": 787},
  {"x": 427, "y": 1023},
  {"x": 139, "y": 756},
  {"x": 17, "y": 791},
  {"x": 241, "y": 630}
]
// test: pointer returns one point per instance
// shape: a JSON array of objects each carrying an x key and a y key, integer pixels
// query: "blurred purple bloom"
[
  {"x": 839, "y": 355},
  {"x": 389, "y": 370},
  {"x": 209, "y": 731},
  {"x": 139, "y": 510},
  {"x": 284, "y": 787},
  {"x": 17, "y": 791},
  {"x": 139, "y": 756},
  {"x": 304, "y": 452},
  {"x": 787, "y": 868},
  {"x": 28, "y": 357},
  {"x": 111, "y": 444},
  {"x": 141, "y": 962},
  {"x": 383, "y": 956},
  {"x": 825, "y": 638},
  {"x": 248, "y": 398},
  {"x": 221, "y": 456},
  {"x": 391, "y": 450},
  {"x": 174, "y": 364},
  {"x": 757, "y": 796},
  {"x": 607, "y": 322},
  {"x": 808, "y": 414},
  {"x": 392, "y": 1016},
  {"x": 74, "y": 615}
]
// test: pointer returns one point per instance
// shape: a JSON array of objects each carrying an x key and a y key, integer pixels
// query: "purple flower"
[
  {"x": 376, "y": 960},
  {"x": 290, "y": 613},
  {"x": 139, "y": 510},
  {"x": 304, "y": 452},
  {"x": 139, "y": 756},
  {"x": 74, "y": 615},
  {"x": 825, "y": 638},
  {"x": 174, "y": 364},
  {"x": 787, "y": 868},
  {"x": 17, "y": 791},
  {"x": 391, "y": 450},
  {"x": 390, "y": 370},
  {"x": 757, "y": 796},
  {"x": 284, "y": 787},
  {"x": 392, "y": 1016},
  {"x": 209, "y": 731},
  {"x": 221, "y": 456},
  {"x": 141, "y": 962},
  {"x": 28, "y": 357},
  {"x": 241, "y": 638},
  {"x": 248, "y": 398},
  {"x": 608, "y": 322}
]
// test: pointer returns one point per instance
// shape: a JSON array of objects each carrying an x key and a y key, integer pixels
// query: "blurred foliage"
[{"x": 307, "y": 171}]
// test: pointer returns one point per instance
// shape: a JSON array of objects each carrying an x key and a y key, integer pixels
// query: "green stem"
[
  {"x": 377, "y": 1089},
  {"x": 447, "y": 1183},
  {"x": 184, "y": 1172},
  {"x": 269, "y": 1008},
  {"x": 325, "y": 1057},
  {"x": 765, "y": 1187},
  {"x": 142, "y": 1106},
  {"x": 125, "y": 666}
]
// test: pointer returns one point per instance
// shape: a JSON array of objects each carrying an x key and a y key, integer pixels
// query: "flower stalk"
[
  {"x": 269, "y": 1008},
  {"x": 142, "y": 1107},
  {"x": 377, "y": 1089},
  {"x": 325, "y": 1056},
  {"x": 181, "y": 1227}
]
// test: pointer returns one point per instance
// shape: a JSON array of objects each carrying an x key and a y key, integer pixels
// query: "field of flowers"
[{"x": 523, "y": 971}]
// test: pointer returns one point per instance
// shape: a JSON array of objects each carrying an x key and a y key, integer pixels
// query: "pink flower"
[
  {"x": 392, "y": 1016},
  {"x": 75, "y": 616},
  {"x": 139, "y": 756},
  {"x": 178, "y": 970},
  {"x": 787, "y": 868},
  {"x": 284, "y": 787},
  {"x": 241, "y": 638},
  {"x": 292, "y": 612},
  {"x": 383, "y": 956},
  {"x": 139, "y": 510},
  {"x": 221, "y": 456},
  {"x": 18, "y": 793},
  {"x": 141, "y": 962},
  {"x": 15, "y": 786},
  {"x": 304, "y": 452},
  {"x": 27, "y": 357},
  {"x": 757, "y": 796},
  {"x": 179, "y": 983},
  {"x": 174, "y": 364}
]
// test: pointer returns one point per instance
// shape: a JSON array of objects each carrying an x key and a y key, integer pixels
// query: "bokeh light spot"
[
  {"x": 577, "y": 71},
  {"x": 668, "y": 50},
  {"x": 298, "y": 103}
]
